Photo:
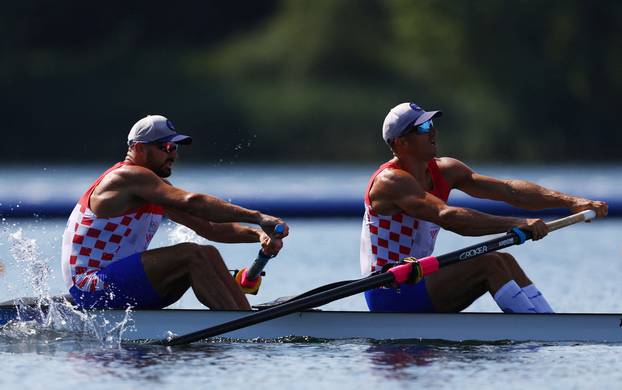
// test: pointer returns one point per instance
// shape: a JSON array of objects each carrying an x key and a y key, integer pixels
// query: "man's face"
[
  {"x": 161, "y": 157},
  {"x": 420, "y": 141}
]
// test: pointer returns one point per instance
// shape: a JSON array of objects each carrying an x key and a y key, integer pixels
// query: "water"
[
  {"x": 49, "y": 183},
  {"x": 354, "y": 364},
  {"x": 578, "y": 268}
]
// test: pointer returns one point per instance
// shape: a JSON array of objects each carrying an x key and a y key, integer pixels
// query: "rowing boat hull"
[{"x": 158, "y": 324}]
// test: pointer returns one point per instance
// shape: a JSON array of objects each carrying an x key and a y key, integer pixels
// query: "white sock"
[
  {"x": 511, "y": 299},
  {"x": 537, "y": 299}
]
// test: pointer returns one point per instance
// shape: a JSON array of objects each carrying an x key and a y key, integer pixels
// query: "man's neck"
[
  {"x": 416, "y": 167},
  {"x": 130, "y": 159}
]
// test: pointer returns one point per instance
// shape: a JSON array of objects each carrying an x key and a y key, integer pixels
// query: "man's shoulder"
[
  {"x": 127, "y": 175},
  {"x": 448, "y": 162},
  {"x": 451, "y": 167},
  {"x": 453, "y": 170},
  {"x": 393, "y": 180},
  {"x": 132, "y": 171},
  {"x": 393, "y": 173}
]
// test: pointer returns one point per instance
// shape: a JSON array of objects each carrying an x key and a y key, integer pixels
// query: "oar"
[
  {"x": 250, "y": 279},
  {"x": 402, "y": 273}
]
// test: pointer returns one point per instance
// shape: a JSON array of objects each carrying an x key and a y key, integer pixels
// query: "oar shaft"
[
  {"x": 258, "y": 265},
  {"x": 512, "y": 238},
  {"x": 397, "y": 275},
  {"x": 286, "y": 308},
  {"x": 478, "y": 249}
]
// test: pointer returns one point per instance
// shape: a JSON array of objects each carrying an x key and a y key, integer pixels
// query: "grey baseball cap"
[
  {"x": 153, "y": 128},
  {"x": 402, "y": 117}
]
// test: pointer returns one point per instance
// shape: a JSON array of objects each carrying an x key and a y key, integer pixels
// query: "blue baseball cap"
[{"x": 402, "y": 117}]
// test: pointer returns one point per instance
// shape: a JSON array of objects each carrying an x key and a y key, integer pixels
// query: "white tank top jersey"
[
  {"x": 91, "y": 243},
  {"x": 387, "y": 239}
]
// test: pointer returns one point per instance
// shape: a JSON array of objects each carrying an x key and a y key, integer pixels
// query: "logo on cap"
[
  {"x": 415, "y": 107},
  {"x": 169, "y": 124}
]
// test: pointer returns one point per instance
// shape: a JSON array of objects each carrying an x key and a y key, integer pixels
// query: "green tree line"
[{"x": 303, "y": 80}]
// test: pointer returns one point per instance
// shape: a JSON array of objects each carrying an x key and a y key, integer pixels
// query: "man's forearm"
[
  {"x": 232, "y": 233},
  {"x": 218, "y": 210},
  {"x": 470, "y": 222},
  {"x": 219, "y": 232},
  {"x": 530, "y": 196}
]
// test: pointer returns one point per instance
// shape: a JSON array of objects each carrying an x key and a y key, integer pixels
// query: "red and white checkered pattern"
[
  {"x": 391, "y": 237},
  {"x": 91, "y": 243},
  {"x": 387, "y": 239}
]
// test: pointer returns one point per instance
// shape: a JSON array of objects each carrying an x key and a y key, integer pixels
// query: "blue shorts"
[
  {"x": 127, "y": 284},
  {"x": 408, "y": 298}
]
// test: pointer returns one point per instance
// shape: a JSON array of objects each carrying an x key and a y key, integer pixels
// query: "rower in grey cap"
[
  {"x": 404, "y": 117},
  {"x": 105, "y": 259},
  {"x": 156, "y": 128},
  {"x": 406, "y": 206}
]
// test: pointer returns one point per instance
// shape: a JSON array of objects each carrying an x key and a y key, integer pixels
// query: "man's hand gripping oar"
[
  {"x": 403, "y": 272},
  {"x": 249, "y": 279},
  {"x": 413, "y": 270}
]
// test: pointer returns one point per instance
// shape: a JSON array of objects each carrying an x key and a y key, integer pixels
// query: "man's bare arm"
[
  {"x": 398, "y": 188},
  {"x": 232, "y": 233},
  {"x": 144, "y": 184},
  {"x": 217, "y": 232},
  {"x": 520, "y": 193}
]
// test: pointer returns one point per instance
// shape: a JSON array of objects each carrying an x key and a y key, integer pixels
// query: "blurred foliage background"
[{"x": 302, "y": 80}]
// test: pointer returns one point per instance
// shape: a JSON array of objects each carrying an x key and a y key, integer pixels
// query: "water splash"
[
  {"x": 35, "y": 273},
  {"x": 47, "y": 317},
  {"x": 60, "y": 320},
  {"x": 33, "y": 265},
  {"x": 109, "y": 333},
  {"x": 178, "y": 234}
]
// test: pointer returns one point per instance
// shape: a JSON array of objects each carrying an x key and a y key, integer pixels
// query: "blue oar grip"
[
  {"x": 522, "y": 237},
  {"x": 258, "y": 265},
  {"x": 260, "y": 262},
  {"x": 279, "y": 229}
]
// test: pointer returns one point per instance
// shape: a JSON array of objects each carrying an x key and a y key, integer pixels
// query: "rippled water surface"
[
  {"x": 347, "y": 364},
  {"x": 578, "y": 268}
]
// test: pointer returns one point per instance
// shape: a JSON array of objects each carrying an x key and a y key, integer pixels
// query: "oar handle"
[
  {"x": 517, "y": 236},
  {"x": 250, "y": 279},
  {"x": 258, "y": 265},
  {"x": 262, "y": 258},
  {"x": 571, "y": 219},
  {"x": 524, "y": 235}
]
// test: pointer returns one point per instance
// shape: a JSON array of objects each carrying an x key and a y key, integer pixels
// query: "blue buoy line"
[{"x": 299, "y": 208}]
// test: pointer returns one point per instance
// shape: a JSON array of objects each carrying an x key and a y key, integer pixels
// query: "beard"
[{"x": 164, "y": 170}]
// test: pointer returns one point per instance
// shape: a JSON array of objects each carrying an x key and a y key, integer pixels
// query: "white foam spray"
[{"x": 43, "y": 313}]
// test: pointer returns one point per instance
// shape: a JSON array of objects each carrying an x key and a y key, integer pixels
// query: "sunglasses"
[
  {"x": 423, "y": 128},
  {"x": 168, "y": 147}
]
